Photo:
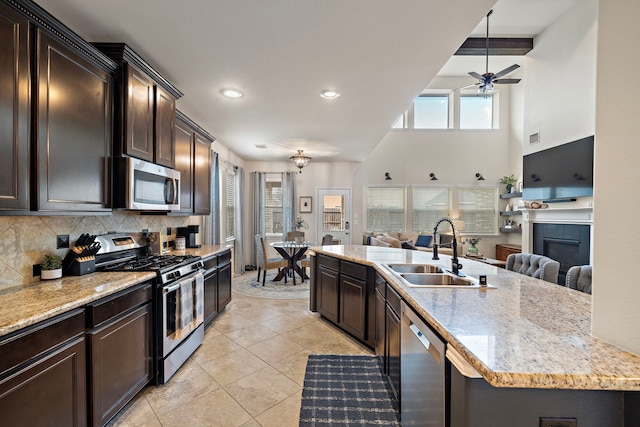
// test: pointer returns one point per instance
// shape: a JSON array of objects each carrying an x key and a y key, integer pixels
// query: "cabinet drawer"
[
  {"x": 211, "y": 262},
  {"x": 224, "y": 257},
  {"x": 393, "y": 299},
  {"x": 328, "y": 262},
  {"x": 34, "y": 341},
  {"x": 114, "y": 305},
  {"x": 354, "y": 270}
]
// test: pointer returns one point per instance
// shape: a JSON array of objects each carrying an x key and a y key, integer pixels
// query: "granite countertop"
[
  {"x": 25, "y": 305},
  {"x": 524, "y": 333}
]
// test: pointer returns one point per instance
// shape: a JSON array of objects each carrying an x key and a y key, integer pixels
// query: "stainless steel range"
[{"x": 178, "y": 298}]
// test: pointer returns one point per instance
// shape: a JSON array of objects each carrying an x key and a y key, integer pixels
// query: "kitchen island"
[{"x": 523, "y": 334}]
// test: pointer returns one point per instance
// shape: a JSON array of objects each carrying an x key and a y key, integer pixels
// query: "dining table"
[{"x": 293, "y": 252}]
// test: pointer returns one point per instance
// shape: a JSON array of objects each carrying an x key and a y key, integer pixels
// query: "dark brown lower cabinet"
[
  {"x": 224, "y": 280},
  {"x": 43, "y": 374},
  {"x": 392, "y": 341},
  {"x": 352, "y": 305},
  {"x": 120, "y": 352}
]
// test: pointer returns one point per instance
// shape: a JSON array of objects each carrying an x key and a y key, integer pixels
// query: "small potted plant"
[
  {"x": 51, "y": 267},
  {"x": 473, "y": 249},
  {"x": 509, "y": 181},
  {"x": 300, "y": 223}
]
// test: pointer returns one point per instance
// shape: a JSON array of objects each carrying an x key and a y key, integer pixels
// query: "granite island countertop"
[
  {"x": 25, "y": 305},
  {"x": 525, "y": 333}
]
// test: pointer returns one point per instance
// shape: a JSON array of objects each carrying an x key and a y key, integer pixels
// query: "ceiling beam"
[{"x": 497, "y": 46}]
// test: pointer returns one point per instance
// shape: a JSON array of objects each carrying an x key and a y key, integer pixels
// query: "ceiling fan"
[{"x": 487, "y": 80}]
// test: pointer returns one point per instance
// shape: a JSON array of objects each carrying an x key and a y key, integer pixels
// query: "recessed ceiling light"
[
  {"x": 330, "y": 94},
  {"x": 232, "y": 93}
]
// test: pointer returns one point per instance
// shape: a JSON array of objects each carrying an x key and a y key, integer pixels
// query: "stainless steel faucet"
[{"x": 455, "y": 265}]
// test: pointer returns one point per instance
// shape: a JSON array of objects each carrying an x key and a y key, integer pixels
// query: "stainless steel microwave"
[{"x": 146, "y": 186}]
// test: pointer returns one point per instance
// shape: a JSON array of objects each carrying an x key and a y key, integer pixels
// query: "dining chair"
[
  {"x": 538, "y": 266},
  {"x": 579, "y": 277},
  {"x": 327, "y": 239},
  {"x": 263, "y": 263},
  {"x": 291, "y": 235}
]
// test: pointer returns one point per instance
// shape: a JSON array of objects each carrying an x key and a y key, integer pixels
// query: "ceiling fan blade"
[
  {"x": 506, "y": 71},
  {"x": 505, "y": 81},
  {"x": 466, "y": 87},
  {"x": 476, "y": 75}
]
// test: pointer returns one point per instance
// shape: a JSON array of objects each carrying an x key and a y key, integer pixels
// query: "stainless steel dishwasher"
[{"x": 423, "y": 373}]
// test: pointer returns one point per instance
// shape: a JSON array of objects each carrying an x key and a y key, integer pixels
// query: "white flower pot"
[{"x": 51, "y": 274}]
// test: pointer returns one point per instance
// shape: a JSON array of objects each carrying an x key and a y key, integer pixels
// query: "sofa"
[{"x": 421, "y": 241}]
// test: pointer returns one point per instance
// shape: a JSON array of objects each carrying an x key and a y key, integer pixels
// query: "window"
[
  {"x": 400, "y": 122},
  {"x": 476, "y": 112},
  {"x": 478, "y": 208},
  {"x": 230, "y": 196},
  {"x": 386, "y": 208},
  {"x": 273, "y": 208},
  {"x": 429, "y": 205},
  {"x": 431, "y": 112}
]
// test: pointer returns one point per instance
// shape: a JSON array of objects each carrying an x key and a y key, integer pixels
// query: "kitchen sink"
[
  {"x": 440, "y": 280},
  {"x": 415, "y": 268}
]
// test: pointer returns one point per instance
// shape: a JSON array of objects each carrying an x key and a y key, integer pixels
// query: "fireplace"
[
  {"x": 563, "y": 234},
  {"x": 569, "y": 244}
]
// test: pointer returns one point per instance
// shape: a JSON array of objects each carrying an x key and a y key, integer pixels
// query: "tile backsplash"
[{"x": 25, "y": 239}]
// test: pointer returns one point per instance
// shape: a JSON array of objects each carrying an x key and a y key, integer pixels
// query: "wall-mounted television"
[{"x": 560, "y": 173}]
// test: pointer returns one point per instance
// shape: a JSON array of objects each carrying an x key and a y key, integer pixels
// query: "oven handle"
[{"x": 172, "y": 288}]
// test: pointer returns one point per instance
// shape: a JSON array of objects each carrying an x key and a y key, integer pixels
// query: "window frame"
[{"x": 404, "y": 208}]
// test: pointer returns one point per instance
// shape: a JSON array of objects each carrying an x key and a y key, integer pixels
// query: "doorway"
[{"x": 334, "y": 214}]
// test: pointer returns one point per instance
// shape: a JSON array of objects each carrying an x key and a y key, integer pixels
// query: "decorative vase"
[
  {"x": 473, "y": 250},
  {"x": 51, "y": 274},
  {"x": 510, "y": 188}
]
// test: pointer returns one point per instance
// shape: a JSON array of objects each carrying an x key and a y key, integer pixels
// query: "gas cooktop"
[{"x": 152, "y": 263}]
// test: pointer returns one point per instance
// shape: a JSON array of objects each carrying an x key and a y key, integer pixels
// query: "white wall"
[
  {"x": 616, "y": 288},
  {"x": 559, "y": 80}
]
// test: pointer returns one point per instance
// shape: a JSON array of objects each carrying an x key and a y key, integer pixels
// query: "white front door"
[{"x": 334, "y": 214}]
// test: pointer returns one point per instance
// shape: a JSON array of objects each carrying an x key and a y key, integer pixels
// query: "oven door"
[{"x": 182, "y": 310}]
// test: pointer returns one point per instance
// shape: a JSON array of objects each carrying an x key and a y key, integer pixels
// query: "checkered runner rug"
[{"x": 347, "y": 391}]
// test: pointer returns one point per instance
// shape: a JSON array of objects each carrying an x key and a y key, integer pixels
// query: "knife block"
[{"x": 80, "y": 266}]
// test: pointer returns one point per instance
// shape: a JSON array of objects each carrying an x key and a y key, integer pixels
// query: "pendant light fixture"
[{"x": 300, "y": 160}]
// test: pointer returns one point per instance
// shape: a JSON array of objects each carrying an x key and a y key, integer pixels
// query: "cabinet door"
[
  {"x": 380, "y": 333},
  {"x": 48, "y": 392},
  {"x": 74, "y": 127},
  {"x": 121, "y": 363},
  {"x": 352, "y": 305},
  {"x": 139, "y": 114},
  {"x": 184, "y": 164},
  {"x": 164, "y": 136},
  {"x": 328, "y": 293},
  {"x": 202, "y": 176},
  {"x": 15, "y": 102},
  {"x": 224, "y": 286},
  {"x": 393, "y": 349},
  {"x": 210, "y": 296}
]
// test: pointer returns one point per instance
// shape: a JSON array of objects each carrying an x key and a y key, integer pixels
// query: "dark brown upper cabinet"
[
  {"x": 193, "y": 160},
  {"x": 74, "y": 124},
  {"x": 145, "y": 108},
  {"x": 15, "y": 104},
  {"x": 55, "y": 116}
]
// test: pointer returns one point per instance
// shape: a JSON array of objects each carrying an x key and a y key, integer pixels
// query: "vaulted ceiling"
[{"x": 379, "y": 54}]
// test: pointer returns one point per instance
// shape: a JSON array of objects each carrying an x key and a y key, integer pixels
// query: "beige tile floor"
[{"x": 248, "y": 372}]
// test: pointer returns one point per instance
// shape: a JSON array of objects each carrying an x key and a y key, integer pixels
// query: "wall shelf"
[
  {"x": 510, "y": 230},
  {"x": 510, "y": 195},
  {"x": 510, "y": 213}
]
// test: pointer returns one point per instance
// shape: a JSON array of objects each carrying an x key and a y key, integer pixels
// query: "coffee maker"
[{"x": 189, "y": 233}]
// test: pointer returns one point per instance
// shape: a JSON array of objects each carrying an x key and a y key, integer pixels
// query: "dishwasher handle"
[{"x": 433, "y": 351}]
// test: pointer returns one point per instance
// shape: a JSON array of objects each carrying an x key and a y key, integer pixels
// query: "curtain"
[
  {"x": 212, "y": 226},
  {"x": 239, "y": 221},
  {"x": 288, "y": 202},
  {"x": 258, "y": 185}
]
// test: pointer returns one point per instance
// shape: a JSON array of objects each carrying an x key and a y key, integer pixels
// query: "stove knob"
[
  {"x": 171, "y": 276},
  {"x": 176, "y": 274}
]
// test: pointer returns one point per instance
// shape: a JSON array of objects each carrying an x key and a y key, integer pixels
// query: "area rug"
[
  {"x": 247, "y": 284},
  {"x": 347, "y": 391}
]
